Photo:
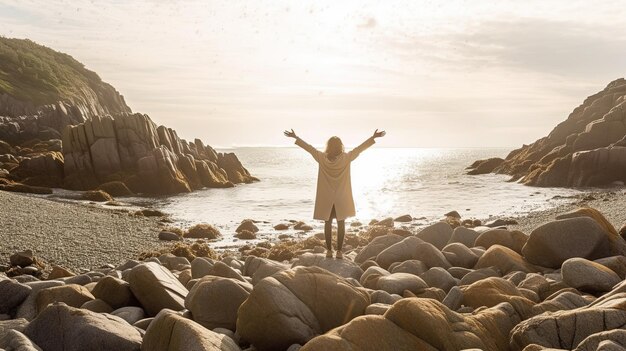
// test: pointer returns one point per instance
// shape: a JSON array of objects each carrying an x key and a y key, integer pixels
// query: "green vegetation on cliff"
[{"x": 34, "y": 73}]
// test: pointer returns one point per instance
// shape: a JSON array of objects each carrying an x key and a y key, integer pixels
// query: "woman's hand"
[
  {"x": 291, "y": 134},
  {"x": 378, "y": 134}
]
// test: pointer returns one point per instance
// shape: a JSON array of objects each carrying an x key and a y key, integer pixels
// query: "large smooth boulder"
[
  {"x": 259, "y": 268},
  {"x": 12, "y": 294},
  {"x": 71, "y": 294},
  {"x": 422, "y": 324},
  {"x": 28, "y": 308},
  {"x": 438, "y": 277},
  {"x": 460, "y": 255},
  {"x": 550, "y": 244},
  {"x": 465, "y": 236},
  {"x": 397, "y": 283},
  {"x": 294, "y": 306},
  {"x": 376, "y": 246},
  {"x": 398, "y": 252},
  {"x": 156, "y": 288},
  {"x": 493, "y": 290},
  {"x": 513, "y": 239},
  {"x": 588, "y": 276},
  {"x": 430, "y": 256},
  {"x": 214, "y": 301},
  {"x": 171, "y": 331},
  {"x": 505, "y": 260},
  {"x": 344, "y": 268},
  {"x": 64, "y": 328},
  {"x": 437, "y": 234},
  {"x": 115, "y": 292},
  {"x": 14, "y": 340}
]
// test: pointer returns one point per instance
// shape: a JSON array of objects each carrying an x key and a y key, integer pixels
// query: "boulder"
[
  {"x": 12, "y": 294},
  {"x": 492, "y": 291},
  {"x": 464, "y": 236},
  {"x": 214, "y": 301},
  {"x": 588, "y": 276},
  {"x": 438, "y": 277},
  {"x": 115, "y": 292},
  {"x": 131, "y": 314},
  {"x": 343, "y": 268},
  {"x": 294, "y": 306},
  {"x": 28, "y": 308},
  {"x": 14, "y": 340},
  {"x": 615, "y": 263},
  {"x": 376, "y": 246},
  {"x": 422, "y": 324},
  {"x": 567, "y": 329},
  {"x": 397, "y": 283},
  {"x": 550, "y": 244},
  {"x": 460, "y": 255},
  {"x": 72, "y": 295},
  {"x": 64, "y": 328},
  {"x": 259, "y": 268},
  {"x": 247, "y": 224},
  {"x": 171, "y": 331},
  {"x": 156, "y": 288},
  {"x": 96, "y": 196},
  {"x": 398, "y": 252},
  {"x": 22, "y": 258},
  {"x": 115, "y": 188},
  {"x": 430, "y": 256},
  {"x": 98, "y": 306},
  {"x": 409, "y": 266},
  {"x": 403, "y": 218},
  {"x": 514, "y": 239},
  {"x": 437, "y": 234},
  {"x": 505, "y": 260},
  {"x": 169, "y": 236}
]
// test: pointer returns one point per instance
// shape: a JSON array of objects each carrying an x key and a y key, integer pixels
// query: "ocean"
[{"x": 423, "y": 182}]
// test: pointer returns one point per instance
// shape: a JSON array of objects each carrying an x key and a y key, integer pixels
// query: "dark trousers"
[{"x": 328, "y": 230}]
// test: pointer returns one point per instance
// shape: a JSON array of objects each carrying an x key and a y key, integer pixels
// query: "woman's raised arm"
[
  {"x": 354, "y": 153},
  {"x": 303, "y": 144}
]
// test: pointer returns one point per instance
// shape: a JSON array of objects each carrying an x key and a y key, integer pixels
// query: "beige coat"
[{"x": 333, "y": 181}]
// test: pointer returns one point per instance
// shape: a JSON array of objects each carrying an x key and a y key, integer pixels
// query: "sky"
[{"x": 431, "y": 73}]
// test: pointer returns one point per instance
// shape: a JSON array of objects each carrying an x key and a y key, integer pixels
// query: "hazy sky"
[{"x": 432, "y": 73}]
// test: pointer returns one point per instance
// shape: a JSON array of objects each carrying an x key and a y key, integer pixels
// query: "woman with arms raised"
[{"x": 334, "y": 188}]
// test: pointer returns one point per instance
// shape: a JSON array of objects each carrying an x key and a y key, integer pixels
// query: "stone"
[
  {"x": 465, "y": 236},
  {"x": 344, "y": 268},
  {"x": 97, "y": 306},
  {"x": 438, "y": 277},
  {"x": 505, "y": 260},
  {"x": 387, "y": 222},
  {"x": 588, "y": 276},
  {"x": 430, "y": 256},
  {"x": 115, "y": 188},
  {"x": 156, "y": 288},
  {"x": 281, "y": 226},
  {"x": 22, "y": 258},
  {"x": 171, "y": 331},
  {"x": 203, "y": 231},
  {"x": 96, "y": 196},
  {"x": 514, "y": 239},
  {"x": 72, "y": 295},
  {"x": 453, "y": 298},
  {"x": 615, "y": 263},
  {"x": 383, "y": 297},
  {"x": 131, "y": 314},
  {"x": 397, "y": 283},
  {"x": 214, "y": 301},
  {"x": 294, "y": 306},
  {"x": 421, "y": 324},
  {"x": 18, "y": 324},
  {"x": 403, "y": 218},
  {"x": 437, "y": 234},
  {"x": 12, "y": 294},
  {"x": 64, "y": 328},
  {"x": 398, "y": 252},
  {"x": 115, "y": 292},
  {"x": 248, "y": 225},
  {"x": 169, "y": 236},
  {"x": 485, "y": 166},
  {"x": 567, "y": 329},
  {"x": 14, "y": 340},
  {"x": 460, "y": 255},
  {"x": 377, "y": 309},
  {"x": 550, "y": 244},
  {"x": 28, "y": 308},
  {"x": 453, "y": 214},
  {"x": 604, "y": 341},
  {"x": 492, "y": 291},
  {"x": 259, "y": 268},
  {"x": 376, "y": 246},
  {"x": 221, "y": 269},
  {"x": 414, "y": 267},
  {"x": 245, "y": 235}
]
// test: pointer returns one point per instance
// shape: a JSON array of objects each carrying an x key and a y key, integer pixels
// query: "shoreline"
[{"x": 81, "y": 236}]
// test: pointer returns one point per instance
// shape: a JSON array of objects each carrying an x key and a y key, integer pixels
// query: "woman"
[{"x": 334, "y": 189}]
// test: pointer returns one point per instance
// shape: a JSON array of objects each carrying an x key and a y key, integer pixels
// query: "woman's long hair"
[{"x": 334, "y": 148}]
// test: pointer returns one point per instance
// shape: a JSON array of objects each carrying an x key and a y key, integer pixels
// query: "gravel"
[{"x": 73, "y": 235}]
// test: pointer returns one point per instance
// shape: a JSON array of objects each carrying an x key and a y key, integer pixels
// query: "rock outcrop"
[{"x": 587, "y": 149}]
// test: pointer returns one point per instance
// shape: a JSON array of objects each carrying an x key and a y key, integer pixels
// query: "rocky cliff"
[
  {"x": 587, "y": 149},
  {"x": 46, "y": 96},
  {"x": 146, "y": 157},
  {"x": 42, "y": 91}
]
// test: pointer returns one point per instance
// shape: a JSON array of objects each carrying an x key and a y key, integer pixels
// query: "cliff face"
[
  {"x": 587, "y": 149},
  {"x": 148, "y": 158},
  {"x": 42, "y": 91}
]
